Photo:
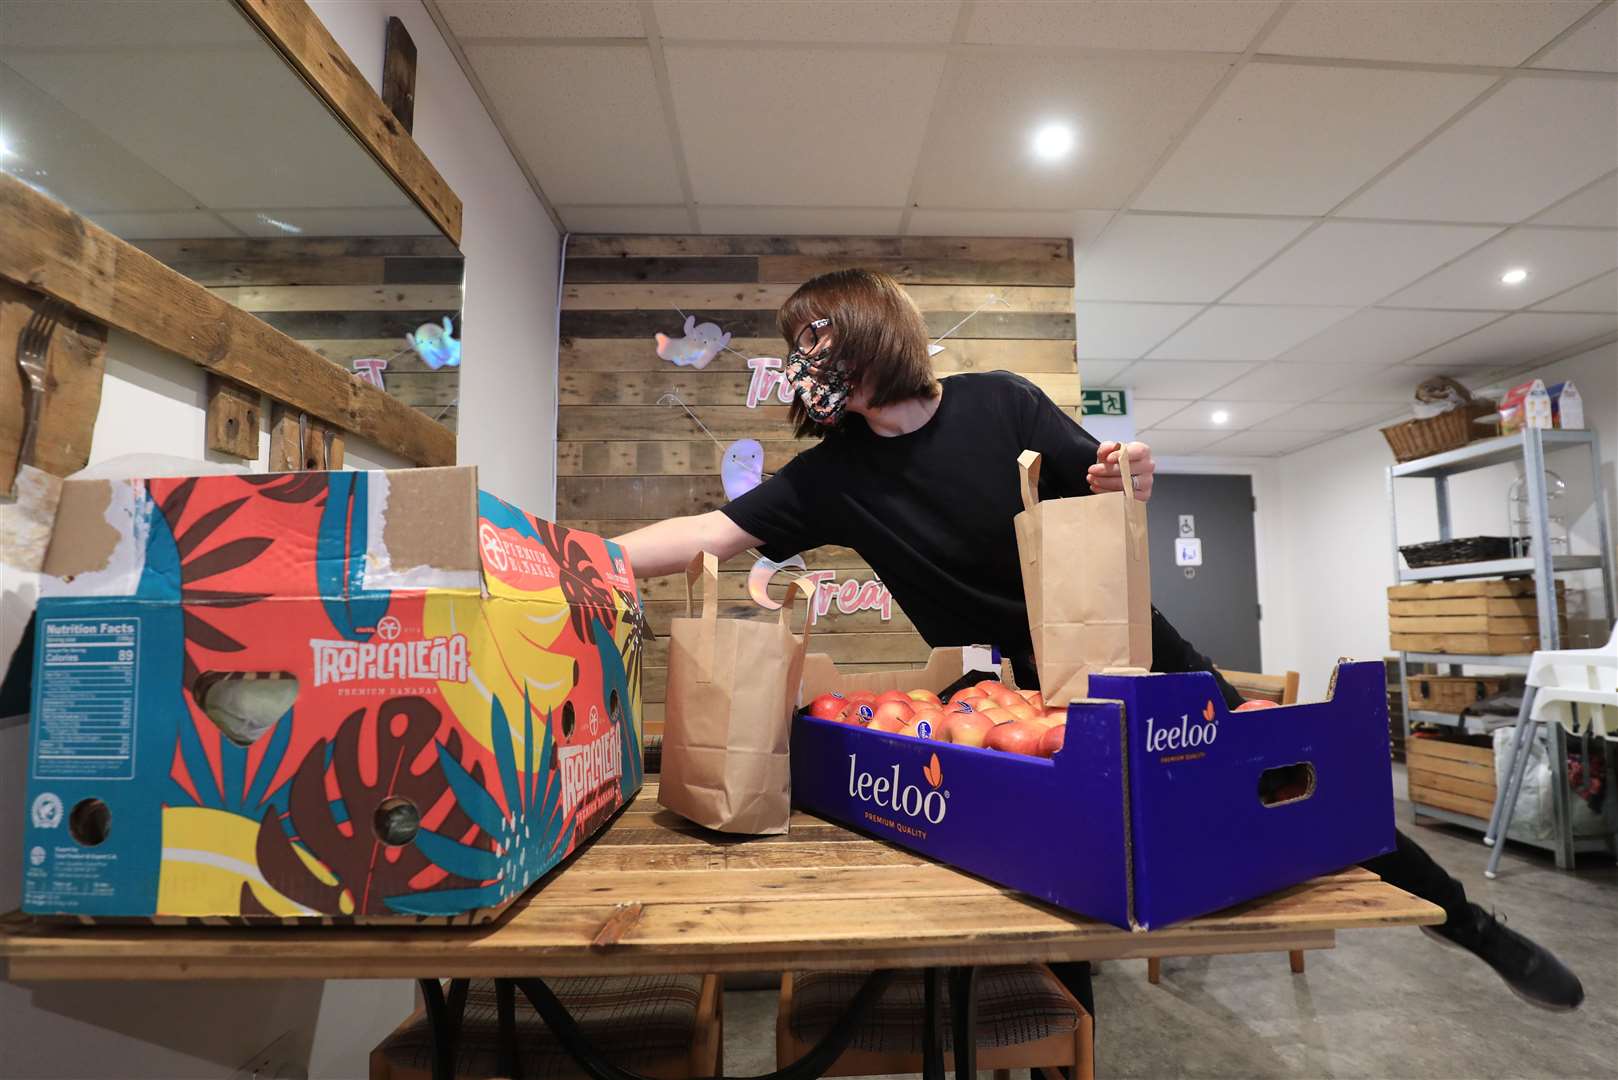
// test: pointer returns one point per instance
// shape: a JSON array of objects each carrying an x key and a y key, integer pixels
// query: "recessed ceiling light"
[
  {"x": 1052, "y": 142},
  {"x": 1220, "y": 416},
  {"x": 1515, "y": 276}
]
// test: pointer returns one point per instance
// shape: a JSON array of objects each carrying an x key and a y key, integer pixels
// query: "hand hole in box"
[
  {"x": 1286, "y": 784},
  {"x": 244, "y": 706},
  {"x": 90, "y": 822},
  {"x": 397, "y": 821}
]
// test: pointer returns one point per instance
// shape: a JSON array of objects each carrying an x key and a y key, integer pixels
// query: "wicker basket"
[
  {"x": 1453, "y": 693},
  {"x": 1452, "y": 430}
]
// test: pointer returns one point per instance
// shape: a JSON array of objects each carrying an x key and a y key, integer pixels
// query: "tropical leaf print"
[
  {"x": 529, "y": 835},
  {"x": 582, "y": 586},
  {"x": 405, "y": 763},
  {"x": 340, "y": 560}
]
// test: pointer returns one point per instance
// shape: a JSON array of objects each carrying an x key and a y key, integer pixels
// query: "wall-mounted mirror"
[{"x": 177, "y": 126}]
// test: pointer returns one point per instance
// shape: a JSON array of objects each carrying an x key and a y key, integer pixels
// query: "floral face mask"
[{"x": 821, "y": 385}]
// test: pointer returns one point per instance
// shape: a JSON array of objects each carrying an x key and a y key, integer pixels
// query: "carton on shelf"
[
  {"x": 1567, "y": 405},
  {"x": 1161, "y": 806},
  {"x": 368, "y": 696},
  {"x": 1528, "y": 404}
]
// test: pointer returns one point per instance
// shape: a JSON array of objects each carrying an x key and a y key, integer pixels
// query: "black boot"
[{"x": 1529, "y": 969}]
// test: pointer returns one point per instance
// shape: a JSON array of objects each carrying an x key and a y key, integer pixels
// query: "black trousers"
[{"x": 1407, "y": 866}]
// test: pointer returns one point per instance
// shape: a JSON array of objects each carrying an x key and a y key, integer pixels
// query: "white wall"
[
  {"x": 152, "y": 402},
  {"x": 508, "y": 378},
  {"x": 1331, "y": 556}
]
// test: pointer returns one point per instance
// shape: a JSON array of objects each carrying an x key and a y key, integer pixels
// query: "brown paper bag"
[
  {"x": 732, "y": 688},
  {"x": 1087, "y": 582}
]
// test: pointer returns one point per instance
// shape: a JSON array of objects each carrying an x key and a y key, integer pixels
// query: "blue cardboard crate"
[{"x": 1152, "y": 812}]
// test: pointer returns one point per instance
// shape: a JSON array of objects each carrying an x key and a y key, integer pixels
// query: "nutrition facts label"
[{"x": 85, "y": 727}]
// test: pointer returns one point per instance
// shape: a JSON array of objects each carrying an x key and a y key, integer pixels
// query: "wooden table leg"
[{"x": 505, "y": 1000}]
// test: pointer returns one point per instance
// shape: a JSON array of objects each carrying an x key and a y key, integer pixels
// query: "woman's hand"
[{"x": 1104, "y": 474}]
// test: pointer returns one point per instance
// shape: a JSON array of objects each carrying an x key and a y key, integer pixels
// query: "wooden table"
[{"x": 653, "y": 893}]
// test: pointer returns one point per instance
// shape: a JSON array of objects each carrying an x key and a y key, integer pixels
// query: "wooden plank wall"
[
  {"x": 346, "y": 298},
  {"x": 624, "y": 461}
]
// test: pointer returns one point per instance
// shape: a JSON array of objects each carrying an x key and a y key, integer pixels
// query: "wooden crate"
[
  {"x": 1452, "y": 693},
  {"x": 1451, "y": 773},
  {"x": 1486, "y": 617}
]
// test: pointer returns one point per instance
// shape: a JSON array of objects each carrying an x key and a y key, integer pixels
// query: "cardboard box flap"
[
  {"x": 944, "y": 666},
  {"x": 525, "y": 558},
  {"x": 422, "y": 529}
]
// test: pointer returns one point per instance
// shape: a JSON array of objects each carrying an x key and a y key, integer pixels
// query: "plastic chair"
[{"x": 1564, "y": 686}]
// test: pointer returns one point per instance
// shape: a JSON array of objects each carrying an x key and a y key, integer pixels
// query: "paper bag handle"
[
  {"x": 807, "y": 588},
  {"x": 1028, "y": 472},
  {"x": 1134, "y": 512},
  {"x": 703, "y": 566}
]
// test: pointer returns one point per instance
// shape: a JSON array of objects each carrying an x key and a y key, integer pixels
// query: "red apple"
[
  {"x": 1017, "y": 737},
  {"x": 984, "y": 684},
  {"x": 970, "y": 693},
  {"x": 995, "y": 715},
  {"x": 1032, "y": 697},
  {"x": 924, "y": 697},
  {"x": 888, "y": 723},
  {"x": 968, "y": 729},
  {"x": 1258, "y": 703},
  {"x": 1052, "y": 740},
  {"x": 1023, "y": 711},
  {"x": 827, "y": 706},
  {"x": 1004, "y": 697},
  {"x": 859, "y": 712},
  {"x": 892, "y": 695},
  {"x": 922, "y": 726},
  {"x": 901, "y": 711}
]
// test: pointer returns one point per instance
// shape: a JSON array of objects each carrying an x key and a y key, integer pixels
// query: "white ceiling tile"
[
  {"x": 1357, "y": 262},
  {"x": 1556, "y": 259},
  {"x": 1082, "y": 225},
  {"x": 1097, "y": 374},
  {"x": 797, "y": 221},
  {"x": 345, "y": 221},
  {"x": 1180, "y": 378},
  {"x": 748, "y": 138},
  {"x": 1263, "y": 443},
  {"x": 1125, "y": 331},
  {"x": 908, "y": 22},
  {"x": 588, "y": 120},
  {"x": 1240, "y": 415},
  {"x": 1595, "y": 205},
  {"x": 1290, "y": 139},
  {"x": 1392, "y": 385},
  {"x": 1166, "y": 442},
  {"x": 1592, "y": 47},
  {"x": 542, "y": 18},
  {"x": 1500, "y": 33},
  {"x": 1124, "y": 111},
  {"x": 1378, "y": 336},
  {"x": 1247, "y": 333},
  {"x": 123, "y": 24},
  {"x": 1518, "y": 339},
  {"x": 1176, "y": 258},
  {"x": 1291, "y": 382},
  {"x": 173, "y": 225},
  {"x": 1147, "y": 411},
  {"x": 1600, "y": 294},
  {"x": 625, "y": 219},
  {"x": 1206, "y": 25},
  {"x": 1333, "y": 416},
  {"x": 1527, "y": 146}
]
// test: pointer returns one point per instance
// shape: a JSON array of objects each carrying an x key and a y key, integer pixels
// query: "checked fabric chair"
[
  {"x": 1026, "y": 1020},
  {"x": 1254, "y": 686},
  {"x": 666, "y": 1026}
]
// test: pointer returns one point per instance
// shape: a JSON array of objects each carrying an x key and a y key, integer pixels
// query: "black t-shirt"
[{"x": 931, "y": 511}]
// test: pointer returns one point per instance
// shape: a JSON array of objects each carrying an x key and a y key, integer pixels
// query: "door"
[{"x": 1214, "y": 605}]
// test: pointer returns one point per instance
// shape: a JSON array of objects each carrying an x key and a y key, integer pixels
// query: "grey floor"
[{"x": 1383, "y": 1004}]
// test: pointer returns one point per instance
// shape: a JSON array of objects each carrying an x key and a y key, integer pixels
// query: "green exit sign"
[{"x": 1105, "y": 403}]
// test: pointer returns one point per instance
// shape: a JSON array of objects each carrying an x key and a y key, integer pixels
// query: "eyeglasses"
[{"x": 810, "y": 337}]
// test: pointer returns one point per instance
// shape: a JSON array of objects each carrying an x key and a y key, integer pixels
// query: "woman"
[{"x": 920, "y": 478}]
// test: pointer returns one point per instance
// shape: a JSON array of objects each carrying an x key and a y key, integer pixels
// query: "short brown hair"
[{"x": 878, "y": 334}]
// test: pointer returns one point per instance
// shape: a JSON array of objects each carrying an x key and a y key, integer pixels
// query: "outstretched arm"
[{"x": 667, "y": 547}]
